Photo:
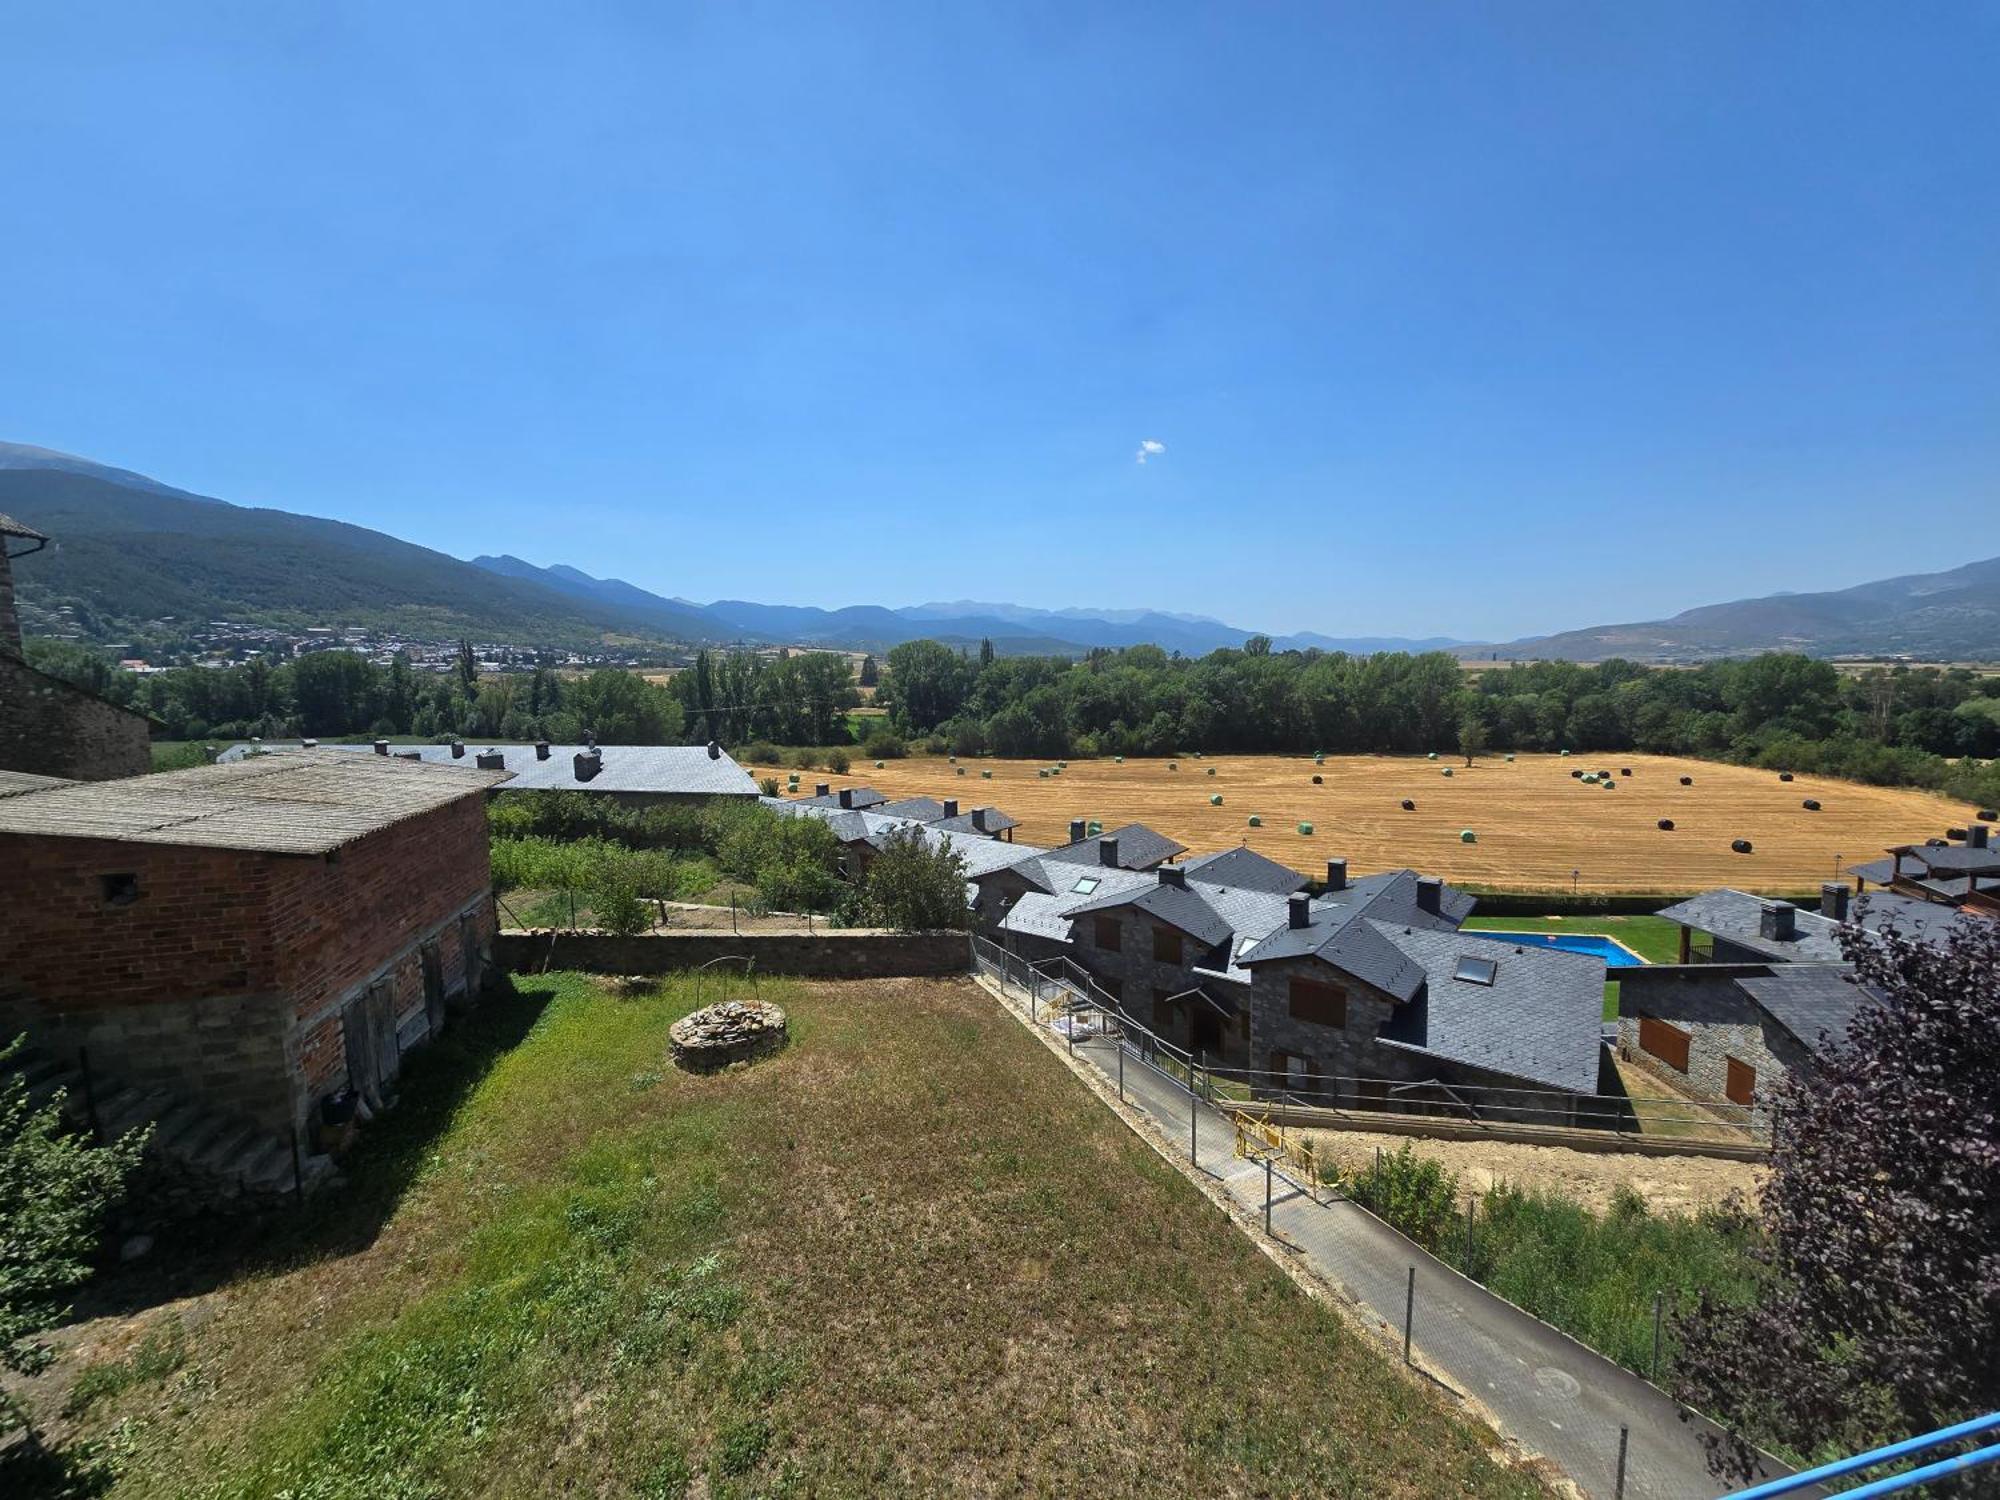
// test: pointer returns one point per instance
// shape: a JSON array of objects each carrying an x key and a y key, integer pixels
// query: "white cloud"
[{"x": 1149, "y": 448}]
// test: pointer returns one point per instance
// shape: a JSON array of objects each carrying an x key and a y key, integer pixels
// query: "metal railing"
[{"x": 1891, "y": 1484}]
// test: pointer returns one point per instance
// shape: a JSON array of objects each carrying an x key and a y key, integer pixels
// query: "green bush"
[
  {"x": 761, "y": 753},
  {"x": 884, "y": 744},
  {"x": 768, "y": 786},
  {"x": 836, "y": 761},
  {"x": 616, "y": 902},
  {"x": 913, "y": 886},
  {"x": 1413, "y": 1193}
]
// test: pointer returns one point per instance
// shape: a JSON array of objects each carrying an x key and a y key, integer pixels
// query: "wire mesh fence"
[
  {"x": 573, "y": 911},
  {"x": 1615, "y": 1434}
]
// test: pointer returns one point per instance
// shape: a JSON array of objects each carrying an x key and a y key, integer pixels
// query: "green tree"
[
  {"x": 927, "y": 683},
  {"x": 55, "y": 1190},
  {"x": 914, "y": 886},
  {"x": 1471, "y": 737},
  {"x": 622, "y": 708},
  {"x": 870, "y": 673}
]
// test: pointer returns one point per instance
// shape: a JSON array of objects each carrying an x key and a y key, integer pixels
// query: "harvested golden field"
[{"x": 1534, "y": 822}]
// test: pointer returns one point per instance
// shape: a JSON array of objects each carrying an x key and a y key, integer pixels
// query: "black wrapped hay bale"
[
  {"x": 1954, "y": 833},
  {"x": 1687, "y": 781},
  {"x": 1667, "y": 824},
  {"x": 1624, "y": 770},
  {"x": 1408, "y": 805},
  {"x": 1577, "y": 774},
  {"x": 1319, "y": 781},
  {"x": 1988, "y": 815},
  {"x": 1741, "y": 846},
  {"x": 1811, "y": 804},
  {"x": 1784, "y": 776}
]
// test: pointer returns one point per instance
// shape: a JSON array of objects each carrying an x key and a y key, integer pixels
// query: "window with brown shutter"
[
  {"x": 1325, "y": 1004},
  {"x": 1741, "y": 1086},
  {"x": 1166, "y": 945},
  {"x": 1109, "y": 934},
  {"x": 1665, "y": 1041}
]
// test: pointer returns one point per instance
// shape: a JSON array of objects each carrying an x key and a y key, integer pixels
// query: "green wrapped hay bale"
[
  {"x": 1562, "y": 752},
  {"x": 1608, "y": 784},
  {"x": 1588, "y": 776},
  {"x": 1255, "y": 821},
  {"x": 1173, "y": 765},
  {"x": 1510, "y": 757},
  {"x": 878, "y": 765},
  {"x": 985, "y": 775},
  {"x": 1215, "y": 799},
  {"x": 953, "y": 759},
  {"x": 1044, "y": 775},
  {"x": 1093, "y": 828},
  {"x": 1117, "y": 760},
  {"x": 1305, "y": 828},
  {"x": 960, "y": 771},
  {"x": 1432, "y": 756},
  {"x": 1467, "y": 836},
  {"x": 1445, "y": 771},
  {"x": 1211, "y": 770},
  {"x": 1319, "y": 757}
]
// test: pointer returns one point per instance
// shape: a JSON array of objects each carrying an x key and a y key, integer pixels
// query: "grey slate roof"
[
  {"x": 848, "y": 826},
  {"x": 1814, "y": 1002},
  {"x": 1245, "y": 867},
  {"x": 291, "y": 802},
  {"x": 923, "y": 809},
  {"x": 1736, "y": 916},
  {"x": 1041, "y": 913},
  {"x": 859, "y": 798},
  {"x": 1958, "y": 860},
  {"x": 683, "y": 770},
  {"x": 1139, "y": 848},
  {"x": 11, "y": 527},
  {"x": 1390, "y": 896},
  {"x": 1177, "y": 906},
  {"x": 1537, "y": 1021},
  {"x": 996, "y": 822}
]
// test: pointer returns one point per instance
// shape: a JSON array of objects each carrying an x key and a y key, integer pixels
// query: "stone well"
[{"x": 732, "y": 1032}]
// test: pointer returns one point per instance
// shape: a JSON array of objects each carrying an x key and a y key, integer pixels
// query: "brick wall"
[
  {"x": 53, "y": 729},
  {"x": 834, "y": 955},
  {"x": 224, "y": 978},
  {"x": 10, "y": 620}
]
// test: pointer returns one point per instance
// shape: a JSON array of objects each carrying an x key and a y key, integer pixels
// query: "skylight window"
[
  {"x": 1476, "y": 970},
  {"x": 1086, "y": 885}
]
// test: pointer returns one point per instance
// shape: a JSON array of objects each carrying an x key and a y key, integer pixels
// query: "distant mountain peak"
[{"x": 28, "y": 456}]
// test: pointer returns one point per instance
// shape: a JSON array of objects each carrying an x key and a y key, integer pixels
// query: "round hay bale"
[
  {"x": 1624, "y": 770},
  {"x": 1687, "y": 781},
  {"x": 1784, "y": 776},
  {"x": 1510, "y": 757},
  {"x": 1741, "y": 846},
  {"x": 1954, "y": 833},
  {"x": 1319, "y": 781},
  {"x": 960, "y": 771},
  {"x": 1062, "y": 765},
  {"x": 1432, "y": 756},
  {"x": 1562, "y": 752},
  {"x": 1117, "y": 760},
  {"x": 985, "y": 775},
  {"x": 1408, "y": 805},
  {"x": 1043, "y": 774},
  {"x": 1211, "y": 770},
  {"x": 1589, "y": 778},
  {"x": 1667, "y": 824},
  {"x": 1934, "y": 843},
  {"x": 1467, "y": 836},
  {"x": 1444, "y": 771},
  {"x": 1215, "y": 799},
  {"x": 1173, "y": 765},
  {"x": 1811, "y": 804},
  {"x": 1255, "y": 821},
  {"x": 1608, "y": 784},
  {"x": 1987, "y": 815},
  {"x": 1305, "y": 828},
  {"x": 1576, "y": 775},
  {"x": 1319, "y": 757},
  {"x": 878, "y": 765},
  {"x": 1093, "y": 829}
]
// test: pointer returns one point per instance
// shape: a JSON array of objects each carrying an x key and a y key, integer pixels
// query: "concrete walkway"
[{"x": 1548, "y": 1392}]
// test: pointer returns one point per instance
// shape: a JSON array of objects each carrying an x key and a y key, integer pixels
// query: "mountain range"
[{"x": 129, "y": 550}]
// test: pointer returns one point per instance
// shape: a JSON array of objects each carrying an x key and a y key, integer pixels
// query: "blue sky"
[{"x": 1472, "y": 320}]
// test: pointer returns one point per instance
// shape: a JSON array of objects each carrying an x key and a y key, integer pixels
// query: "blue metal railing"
[{"x": 1891, "y": 1484}]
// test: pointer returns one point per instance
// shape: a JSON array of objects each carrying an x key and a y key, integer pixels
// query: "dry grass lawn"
[
  {"x": 907, "y": 1256},
  {"x": 1534, "y": 822}
]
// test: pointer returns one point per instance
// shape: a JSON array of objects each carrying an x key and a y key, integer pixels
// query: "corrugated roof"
[
  {"x": 13, "y": 783},
  {"x": 1538, "y": 1019},
  {"x": 677, "y": 770},
  {"x": 289, "y": 802}
]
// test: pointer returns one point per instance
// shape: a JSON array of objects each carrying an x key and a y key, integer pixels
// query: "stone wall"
[
  {"x": 51, "y": 728},
  {"x": 10, "y": 619},
  {"x": 1721, "y": 1021},
  {"x": 827, "y": 955}
]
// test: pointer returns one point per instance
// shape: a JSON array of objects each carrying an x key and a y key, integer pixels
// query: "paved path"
[{"x": 1548, "y": 1391}]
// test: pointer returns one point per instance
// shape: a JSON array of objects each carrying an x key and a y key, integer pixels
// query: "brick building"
[
  {"x": 48, "y": 726},
  {"x": 247, "y": 938}
]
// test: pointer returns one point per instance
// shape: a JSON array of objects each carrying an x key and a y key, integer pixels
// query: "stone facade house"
[
  {"x": 49, "y": 727},
  {"x": 244, "y": 940}
]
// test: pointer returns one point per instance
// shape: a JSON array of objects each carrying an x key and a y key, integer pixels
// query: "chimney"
[
  {"x": 1776, "y": 920},
  {"x": 458, "y": 749},
  {"x": 587, "y": 763},
  {"x": 821, "y": 789},
  {"x": 490, "y": 760},
  {"x": 847, "y": 796},
  {"x": 1173, "y": 875},
  {"x": 1336, "y": 874},
  {"x": 714, "y": 751},
  {"x": 1975, "y": 835},
  {"x": 1076, "y": 830},
  {"x": 1298, "y": 910},
  {"x": 1833, "y": 900},
  {"x": 1107, "y": 851},
  {"x": 950, "y": 807},
  {"x": 1430, "y": 894},
  {"x": 381, "y": 747},
  {"x": 979, "y": 819},
  {"x": 541, "y": 749}
]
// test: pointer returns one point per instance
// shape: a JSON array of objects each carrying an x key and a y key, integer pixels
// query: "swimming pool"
[{"x": 1615, "y": 954}]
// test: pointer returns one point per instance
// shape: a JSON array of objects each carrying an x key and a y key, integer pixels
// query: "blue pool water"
[{"x": 1614, "y": 955}]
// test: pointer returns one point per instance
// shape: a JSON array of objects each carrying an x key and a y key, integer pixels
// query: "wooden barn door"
[
  {"x": 433, "y": 961},
  {"x": 468, "y": 947},
  {"x": 369, "y": 1025}
]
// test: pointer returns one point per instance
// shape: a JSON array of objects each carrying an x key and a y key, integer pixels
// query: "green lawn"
[
  {"x": 1654, "y": 939},
  {"x": 909, "y": 1255}
]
